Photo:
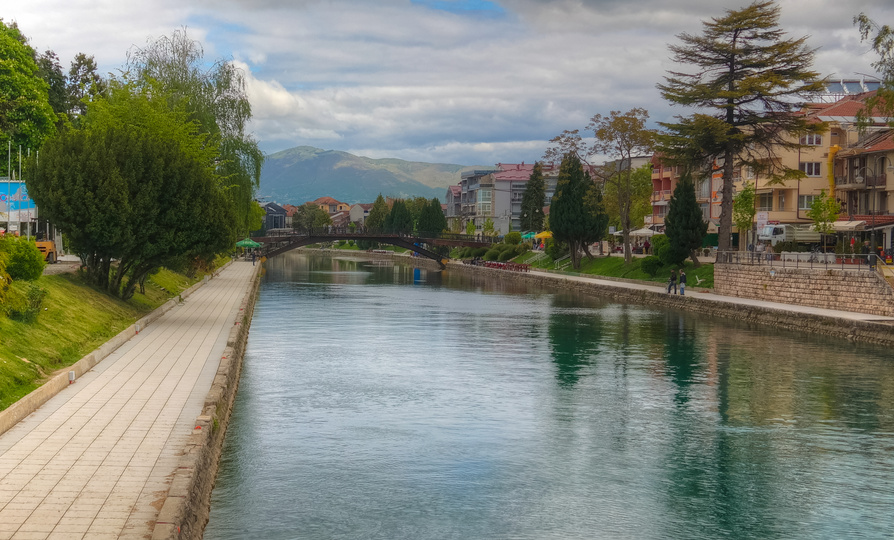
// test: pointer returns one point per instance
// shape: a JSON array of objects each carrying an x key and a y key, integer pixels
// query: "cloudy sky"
[{"x": 451, "y": 81}]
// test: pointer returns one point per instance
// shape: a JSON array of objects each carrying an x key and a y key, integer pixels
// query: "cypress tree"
[
  {"x": 533, "y": 201},
  {"x": 684, "y": 224},
  {"x": 572, "y": 218}
]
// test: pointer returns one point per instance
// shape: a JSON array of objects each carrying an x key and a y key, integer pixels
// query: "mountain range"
[{"x": 305, "y": 173}]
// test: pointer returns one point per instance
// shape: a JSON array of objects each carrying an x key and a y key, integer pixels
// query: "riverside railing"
[{"x": 812, "y": 259}]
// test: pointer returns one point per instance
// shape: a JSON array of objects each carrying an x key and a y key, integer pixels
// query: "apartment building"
[{"x": 853, "y": 167}]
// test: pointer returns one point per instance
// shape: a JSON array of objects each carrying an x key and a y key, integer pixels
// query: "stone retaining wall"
[
  {"x": 59, "y": 381},
  {"x": 847, "y": 290},
  {"x": 187, "y": 507}
]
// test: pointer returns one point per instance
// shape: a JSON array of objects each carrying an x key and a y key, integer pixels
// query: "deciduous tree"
[
  {"x": 26, "y": 117},
  {"x": 136, "y": 184},
  {"x": 824, "y": 212},
  {"x": 746, "y": 81},
  {"x": 623, "y": 136},
  {"x": 744, "y": 211}
]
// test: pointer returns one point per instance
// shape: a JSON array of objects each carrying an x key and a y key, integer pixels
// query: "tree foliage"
[
  {"x": 824, "y": 212},
  {"x": 22, "y": 258},
  {"x": 684, "y": 224},
  {"x": 623, "y": 136},
  {"x": 747, "y": 77},
  {"x": 576, "y": 217},
  {"x": 432, "y": 219},
  {"x": 744, "y": 210},
  {"x": 85, "y": 84},
  {"x": 375, "y": 221},
  {"x": 212, "y": 95},
  {"x": 399, "y": 219},
  {"x": 136, "y": 184},
  {"x": 309, "y": 217},
  {"x": 26, "y": 117},
  {"x": 533, "y": 200},
  {"x": 882, "y": 39}
]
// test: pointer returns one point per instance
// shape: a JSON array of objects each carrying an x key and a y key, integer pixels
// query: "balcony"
[
  {"x": 850, "y": 182},
  {"x": 663, "y": 195}
]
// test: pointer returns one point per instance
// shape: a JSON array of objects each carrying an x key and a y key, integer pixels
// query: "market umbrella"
[
  {"x": 642, "y": 232},
  {"x": 247, "y": 243},
  {"x": 528, "y": 236},
  {"x": 544, "y": 234}
]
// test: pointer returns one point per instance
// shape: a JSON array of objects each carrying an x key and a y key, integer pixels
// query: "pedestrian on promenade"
[
  {"x": 672, "y": 282},
  {"x": 253, "y": 258},
  {"x": 682, "y": 282}
]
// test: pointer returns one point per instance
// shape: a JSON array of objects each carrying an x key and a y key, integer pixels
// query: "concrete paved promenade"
[{"x": 96, "y": 461}]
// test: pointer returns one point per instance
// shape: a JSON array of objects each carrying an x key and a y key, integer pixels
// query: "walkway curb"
[
  {"x": 187, "y": 506},
  {"x": 40, "y": 395}
]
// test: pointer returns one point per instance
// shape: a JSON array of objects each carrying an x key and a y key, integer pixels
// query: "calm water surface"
[{"x": 382, "y": 401}]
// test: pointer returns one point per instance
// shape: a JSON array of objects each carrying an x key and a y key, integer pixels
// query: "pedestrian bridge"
[{"x": 279, "y": 241}]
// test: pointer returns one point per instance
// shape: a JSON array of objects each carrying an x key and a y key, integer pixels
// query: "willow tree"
[
  {"x": 746, "y": 82},
  {"x": 214, "y": 96},
  {"x": 533, "y": 200},
  {"x": 575, "y": 215}
]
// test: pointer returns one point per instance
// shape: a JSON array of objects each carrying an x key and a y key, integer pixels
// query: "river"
[{"x": 382, "y": 401}]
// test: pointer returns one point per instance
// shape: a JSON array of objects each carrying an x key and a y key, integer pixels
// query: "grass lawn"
[
  {"x": 76, "y": 320},
  {"x": 615, "y": 267}
]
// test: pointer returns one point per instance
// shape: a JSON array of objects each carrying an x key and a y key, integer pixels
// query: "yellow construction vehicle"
[{"x": 47, "y": 247}]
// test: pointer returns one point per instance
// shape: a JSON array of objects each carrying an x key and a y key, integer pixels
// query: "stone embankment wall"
[
  {"x": 865, "y": 331},
  {"x": 187, "y": 507},
  {"x": 848, "y": 290}
]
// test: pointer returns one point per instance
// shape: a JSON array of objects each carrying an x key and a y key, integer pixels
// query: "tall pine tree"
[
  {"x": 533, "y": 200},
  {"x": 748, "y": 79},
  {"x": 684, "y": 225}
]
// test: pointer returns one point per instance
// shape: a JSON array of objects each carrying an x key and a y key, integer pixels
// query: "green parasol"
[{"x": 247, "y": 243}]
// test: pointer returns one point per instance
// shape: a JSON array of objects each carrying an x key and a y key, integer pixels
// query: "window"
[
  {"x": 805, "y": 201},
  {"x": 749, "y": 173},
  {"x": 484, "y": 195},
  {"x": 765, "y": 202},
  {"x": 811, "y": 168},
  {"x": 704, "y": 189},
  {"x": 814, "y": 139},
  {"x": 484, "y": 208},
  {"x": 706, "y": 211},
  {"x": 781, "y": 205}
]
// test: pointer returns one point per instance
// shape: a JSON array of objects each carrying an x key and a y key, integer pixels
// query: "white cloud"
[{"x": 396, "y": 78}]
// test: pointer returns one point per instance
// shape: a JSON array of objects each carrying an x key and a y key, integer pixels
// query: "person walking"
[
  {"x": 672, "y": 282},
  {"x": 682, "y": 282}
]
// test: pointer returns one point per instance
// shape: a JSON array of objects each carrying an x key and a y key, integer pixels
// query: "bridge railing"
[{"x": 366, "y": 232}]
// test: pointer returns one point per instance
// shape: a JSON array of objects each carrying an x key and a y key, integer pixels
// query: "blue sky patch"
[{"x": 467, "y": 7}]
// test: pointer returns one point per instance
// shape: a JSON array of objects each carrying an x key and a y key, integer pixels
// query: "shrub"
[
  {"x": 351, "y": 242},
  {"x": 479, "y": 252},
  {"x": 507, "y": 255},
  {"x": 492, "y": 254},
  {"x": 661, "y": 248},
  {"x": 651, "y": 265},
  {"x": 24, "y": 302},
  {"x": 23, "y": 260},
  {"x": 555, "y": 250},
  {"x": 513, "y": 238}
]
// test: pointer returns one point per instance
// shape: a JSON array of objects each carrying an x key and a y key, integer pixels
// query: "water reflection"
[{"x": 383, "y": 401}]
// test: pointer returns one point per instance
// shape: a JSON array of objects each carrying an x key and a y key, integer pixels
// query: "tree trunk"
[
  {"x": 694, "y": 256},
  {"x": 725, "y": 229}
]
